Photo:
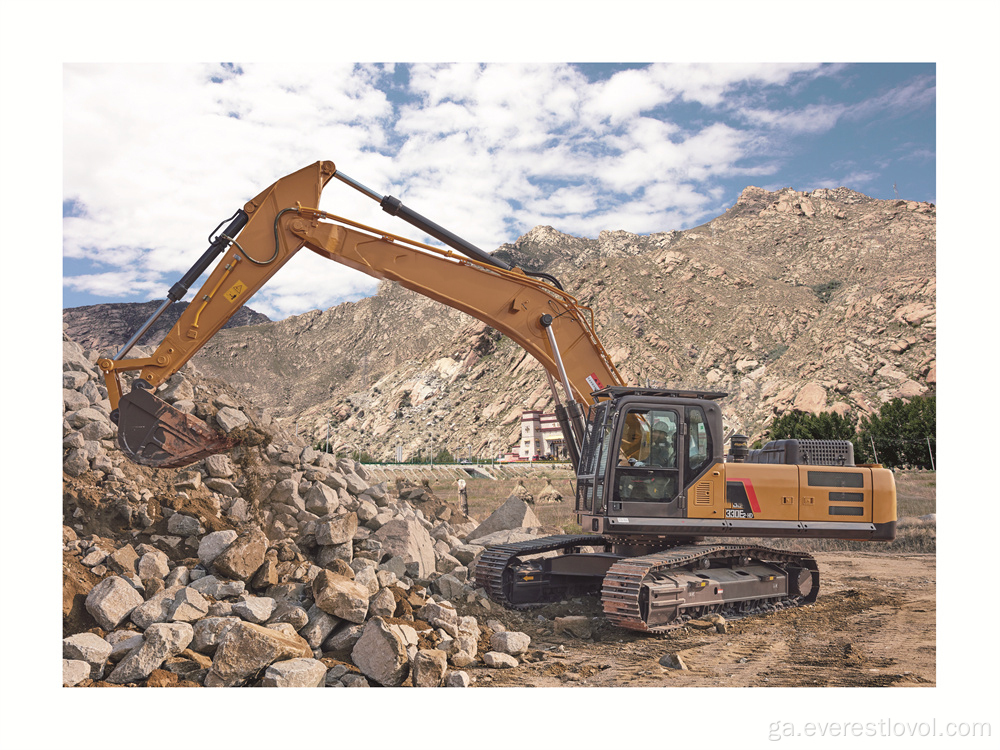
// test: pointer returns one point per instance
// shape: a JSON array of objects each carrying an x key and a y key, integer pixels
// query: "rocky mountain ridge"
[
  {"x": 821, "y": 301},
  {"x": 111, "y": 324}
]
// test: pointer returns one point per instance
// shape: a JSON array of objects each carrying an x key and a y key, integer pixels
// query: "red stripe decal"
[{"x": 751, "y": 495}]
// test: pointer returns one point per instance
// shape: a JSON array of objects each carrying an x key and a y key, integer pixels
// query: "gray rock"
[
  {"x": 463, "y": 650},
  {"x": 188, "y": 480},
  {"x": 367, "y": 576},
  {"x": 510, "y": 642},
  {"x": 450, "y": 587},
  {"x": 343, "y": 637},
  {"x": 153, "y": 565},
  {"x": 513, "y": 514},
  {"x": 122, "y": 642},
  {"x": 241, "y": 559},
  {"x": 74, "y": 379},
  {"x": 155, "y": 609},
  {"x": 209, "y": 631},
  {"x": 367, "y": 510},
  {"x": 89, "y": 648},
  {"x": 123, "y": 561},
  {"x": 218, "y": 589},
  {"x": 340, "y": 596},
  {"x": 222, "y": 486},
  {"x": 457, "y": 679},
  {"x": 301, "y": 672},
  {"x": 179, "y": 576},
  {"x": 247, "y": 648},
  {"x": 466, "y": 553},
  {"x": 160, "y": 641},
  {"x": 498, "y": 660},
  {"x": 381, "y": 654},
  {"x": 75, "y": 671},
  {"x": 429, "y": 668},
  {"x": 94, "y": 557},
  {"x": 337, "y": 530},
  {"x": 256, "y": 609},
  {"x": 672, "y": 661},
  {"x": 383, "y": 604},
  {"x": 189, "y": 605},
  {"x": 322, "y": 500},
  {"x": 76, "y": 462},
  {"x": 184, "y": 525},
  {"x": 319, "y": 626},
  {"x": 293, "y": 614},
  {"x": 354, "y": 680},
  {"x": 286, "y": 492},
  {"x": 219, "y": 465},
  {"x": 82, "y": 417},
  {"x": 111, "y": 601},
  {"x": 439, "y": 616},
  {"x": 214, "y": 544},
  {"x": 230, "y": 419},
  {"x": 408, "y": 540}
]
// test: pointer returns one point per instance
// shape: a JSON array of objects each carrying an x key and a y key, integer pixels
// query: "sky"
[{"x": 156, "y": 155}]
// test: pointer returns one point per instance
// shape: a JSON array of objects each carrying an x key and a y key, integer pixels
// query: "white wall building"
[{"x": 541, "y": 436}]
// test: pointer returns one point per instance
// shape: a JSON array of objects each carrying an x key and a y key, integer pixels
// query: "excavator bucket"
[{"x": 153, "y": 433}]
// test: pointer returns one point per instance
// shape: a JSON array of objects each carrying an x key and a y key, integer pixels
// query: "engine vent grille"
[{"x": 703, "y": 493}]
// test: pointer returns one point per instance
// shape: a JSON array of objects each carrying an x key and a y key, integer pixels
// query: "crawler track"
[
  {"x": 496, "y": 561},
  {"x": 622, "y": 588}
]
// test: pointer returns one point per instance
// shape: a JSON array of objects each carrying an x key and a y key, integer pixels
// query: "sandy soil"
[{"x": 874, "y": 624}]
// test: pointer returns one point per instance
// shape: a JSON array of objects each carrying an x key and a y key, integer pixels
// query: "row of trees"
[{"x": 901, "y": 434}]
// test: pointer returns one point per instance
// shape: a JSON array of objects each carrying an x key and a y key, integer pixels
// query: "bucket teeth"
[{"x": 153, "y": 433}]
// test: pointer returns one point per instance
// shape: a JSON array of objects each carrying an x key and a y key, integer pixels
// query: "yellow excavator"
[{"x": 653, "y": 478}]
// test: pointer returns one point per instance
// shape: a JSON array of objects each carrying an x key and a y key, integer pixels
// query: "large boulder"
[
  {"x": 247, "y": 648},
  {"x": 513, "y": 514},
  {"x": 381, "y": 654},
  {"x": 89, "y": 648},
  {"x": 241, "y": 559},
  {"x": 160, "y": 641},
  {"x": 340, "y": 596},
  {"x": 337, "y": 530},
  {"x": 410, "y": 541},
  {"x": 300, "y": 672},
  {"x": 429, "y": 668},
  {"x": 111, "y": 601}
]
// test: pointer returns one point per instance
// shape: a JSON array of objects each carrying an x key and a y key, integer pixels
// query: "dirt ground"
[{"x": 874, "y": 624}]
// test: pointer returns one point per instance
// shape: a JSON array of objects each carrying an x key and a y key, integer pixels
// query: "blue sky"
[{"x": 156, "y": 155}]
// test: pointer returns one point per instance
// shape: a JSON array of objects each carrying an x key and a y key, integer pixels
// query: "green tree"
[
  {"x": 802, "y": 425},
  {"x": 900, "y": 431},
  {"x": 444, "y": 457}
]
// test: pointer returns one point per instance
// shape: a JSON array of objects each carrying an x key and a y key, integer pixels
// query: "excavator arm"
[{"x": 532, "y": 310}]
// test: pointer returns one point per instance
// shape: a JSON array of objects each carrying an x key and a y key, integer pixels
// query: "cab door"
[{"x": 647, "y": 477}]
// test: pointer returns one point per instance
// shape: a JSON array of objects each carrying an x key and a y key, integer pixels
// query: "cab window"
[{"x": 699, "y": 444}]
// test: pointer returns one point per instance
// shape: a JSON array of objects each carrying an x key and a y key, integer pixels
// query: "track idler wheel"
[{"x": 800, "y": 581}]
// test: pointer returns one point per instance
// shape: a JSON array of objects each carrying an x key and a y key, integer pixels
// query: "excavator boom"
[{"x": 531, "y": 309}]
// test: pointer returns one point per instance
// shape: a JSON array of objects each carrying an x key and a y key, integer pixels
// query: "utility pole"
[{"x": 931, "y": 453}]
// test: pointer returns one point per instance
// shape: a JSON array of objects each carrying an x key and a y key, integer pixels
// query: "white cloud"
[{"x": 157, "y": 155}]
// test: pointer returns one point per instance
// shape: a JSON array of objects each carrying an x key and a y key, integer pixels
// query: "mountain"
[
  {"x": 821, "y": 301},
  {"x": 109, "y": 325}
]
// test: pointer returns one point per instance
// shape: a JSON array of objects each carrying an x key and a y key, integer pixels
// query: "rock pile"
[{"x": 278, "y": 565}]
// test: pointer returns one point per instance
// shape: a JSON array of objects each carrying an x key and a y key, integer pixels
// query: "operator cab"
[{"x": 644, "y": 448}]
